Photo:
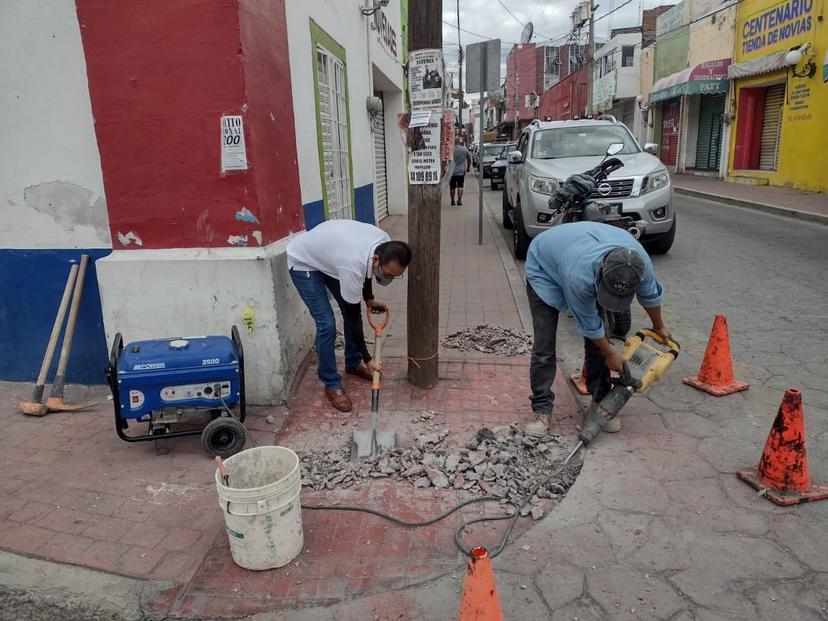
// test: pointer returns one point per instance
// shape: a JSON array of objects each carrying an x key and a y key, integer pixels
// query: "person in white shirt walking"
[{"x": 342, "y": 257}]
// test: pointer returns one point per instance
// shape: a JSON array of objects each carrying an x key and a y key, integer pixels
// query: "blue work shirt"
[{"x": 562, "y": 267}]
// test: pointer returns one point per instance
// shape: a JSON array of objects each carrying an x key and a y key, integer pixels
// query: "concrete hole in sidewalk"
[{"x": 500, "y": 461}]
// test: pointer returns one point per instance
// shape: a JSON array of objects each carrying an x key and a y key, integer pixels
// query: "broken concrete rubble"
[
  {"x": 503, "y": 462},
  {"x": 490, "y": 340}
]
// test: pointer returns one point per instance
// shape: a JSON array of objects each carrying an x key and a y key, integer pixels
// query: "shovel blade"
[{"x": 371, "y": 443}]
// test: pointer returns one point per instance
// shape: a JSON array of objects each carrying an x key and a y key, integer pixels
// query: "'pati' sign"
[{"x": 779, "y": 23}]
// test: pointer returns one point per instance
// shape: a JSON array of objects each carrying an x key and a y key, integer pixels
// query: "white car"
[{"x": 549, "y": 152}]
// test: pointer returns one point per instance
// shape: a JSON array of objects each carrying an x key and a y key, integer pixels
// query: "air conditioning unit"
[{"x": 531, "y": 100}]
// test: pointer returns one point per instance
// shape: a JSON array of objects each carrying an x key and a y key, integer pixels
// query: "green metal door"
[{"x": 709, "y": 144}]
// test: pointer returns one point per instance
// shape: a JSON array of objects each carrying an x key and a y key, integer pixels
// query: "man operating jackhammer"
[
  {"x": 584, "y": 267},
  {"x": 341, "y": 257}
]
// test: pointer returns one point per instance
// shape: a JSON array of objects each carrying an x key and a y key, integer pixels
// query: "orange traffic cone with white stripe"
[
  {"x": 716, "y": 374},
  {"x": 479, "y": 601},
  {"x": 782, "y": 475},
  {"x": 579, "y": 380}
]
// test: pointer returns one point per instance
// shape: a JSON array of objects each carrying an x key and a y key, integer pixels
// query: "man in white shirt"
[{"x": 341, "y": 257}]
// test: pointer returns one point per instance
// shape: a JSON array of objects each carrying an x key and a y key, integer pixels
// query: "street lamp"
[{"x": 794, "y": 57}]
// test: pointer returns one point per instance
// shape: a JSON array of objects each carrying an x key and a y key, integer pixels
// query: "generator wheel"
[{"x": 223, "y": 437}]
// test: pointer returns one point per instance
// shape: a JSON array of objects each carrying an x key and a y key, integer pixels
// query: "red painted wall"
[
  {"x": 567, "y": 99},
  {"x": 750, "y": 112},
  {"x": 161, "y": 74},
  {"x": 525, "y": 62}
]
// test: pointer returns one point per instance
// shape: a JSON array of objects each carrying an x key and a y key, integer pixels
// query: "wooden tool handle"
[
  {"x": 56, "y": 327},
  {"x": 60, "y": 376}
]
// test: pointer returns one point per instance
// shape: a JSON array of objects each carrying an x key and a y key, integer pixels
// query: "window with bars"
[{"x": 333, "y": 128}]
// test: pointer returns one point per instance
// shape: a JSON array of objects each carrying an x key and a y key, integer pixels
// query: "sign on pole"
[
  {"x": 474, "y": 71},
  {"x": 425, "y": 84}
]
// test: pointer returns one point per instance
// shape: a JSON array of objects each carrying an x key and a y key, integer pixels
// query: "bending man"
[
  {"x": 586, "y": 267},
  {"x": 341, "y": 257}
]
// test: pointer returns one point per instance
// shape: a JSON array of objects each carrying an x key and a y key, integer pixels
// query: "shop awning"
[
  {"x": 765, "y": 64},
  {"x": 709, "y": 78}
]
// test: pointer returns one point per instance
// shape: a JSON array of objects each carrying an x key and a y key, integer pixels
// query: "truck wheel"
[
  {"x": 223, "y": 437},
  {"x": 521, "y": 237},
  {"x": 507, "y": 220}
]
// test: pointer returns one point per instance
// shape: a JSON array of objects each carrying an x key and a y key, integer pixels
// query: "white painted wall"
[
  {"x": 342, "y": 20},
  {"x": 51, "y": 189},
  {"x": 206, "y": 291}
]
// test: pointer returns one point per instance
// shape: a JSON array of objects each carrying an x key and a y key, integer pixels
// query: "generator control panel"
[{"x": 172, "y": 394}]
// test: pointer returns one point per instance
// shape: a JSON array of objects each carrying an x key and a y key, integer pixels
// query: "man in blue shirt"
[{"x": 584, "y": 266}]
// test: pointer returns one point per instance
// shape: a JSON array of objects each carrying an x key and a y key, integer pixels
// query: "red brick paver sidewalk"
[
  {"x": 782, "y": 201},
  {"x": 74, "y": 493}
]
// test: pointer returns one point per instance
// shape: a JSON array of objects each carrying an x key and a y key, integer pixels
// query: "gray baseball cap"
[{"x": 619, "y": 278}]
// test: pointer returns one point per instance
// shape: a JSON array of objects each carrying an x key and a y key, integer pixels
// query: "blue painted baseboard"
[
  {"x": 32, "y": 283},
  {"x": 363, "y": 208}
]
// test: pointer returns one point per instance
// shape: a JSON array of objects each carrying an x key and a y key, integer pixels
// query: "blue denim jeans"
[{"x": 313, "y": 288}]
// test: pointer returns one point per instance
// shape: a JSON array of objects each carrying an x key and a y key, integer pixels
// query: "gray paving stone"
[
  {"x": 628, "y": 594},
  {"x": 560, "y": 584}
]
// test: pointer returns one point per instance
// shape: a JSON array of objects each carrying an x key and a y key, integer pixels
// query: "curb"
[{"x": 765, "y": 207}]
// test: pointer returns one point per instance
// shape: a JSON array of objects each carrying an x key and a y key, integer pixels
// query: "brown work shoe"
[
  {"x": 338, "y": 399},
  {"x": 361, "y": 372}
]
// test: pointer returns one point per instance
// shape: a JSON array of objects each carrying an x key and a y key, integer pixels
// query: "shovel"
[{"x": 373, "y": 441}]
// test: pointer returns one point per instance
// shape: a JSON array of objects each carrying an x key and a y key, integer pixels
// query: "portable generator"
[{"x": 170, "y": 383}]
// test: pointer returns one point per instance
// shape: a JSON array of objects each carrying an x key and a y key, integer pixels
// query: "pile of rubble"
[
  {"x": 490, "y": 340},
  {"x": 502, "y": 462}
]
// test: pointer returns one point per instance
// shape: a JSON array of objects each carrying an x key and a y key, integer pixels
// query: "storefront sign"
[
  {"x": 386, "y": 34},
  {"x": 825, "y": 67},
  {"x": 776, "y": 25},
  {"x": 603, "y": 91}
]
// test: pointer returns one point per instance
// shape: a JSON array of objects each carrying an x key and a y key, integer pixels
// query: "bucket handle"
[{"x": 262, "y": 505}]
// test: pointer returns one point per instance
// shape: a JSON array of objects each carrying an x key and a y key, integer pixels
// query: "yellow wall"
[
  {"x": 711, "y": 38},
  {"x": 804, "y": 131}
]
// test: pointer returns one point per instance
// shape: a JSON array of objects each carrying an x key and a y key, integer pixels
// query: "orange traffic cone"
[
  {"x": 782, "y": 474},
  {"x": 479, "y": 601},
  {"x": 579, "y": 380},
  {"x": 716, "y": 374}
]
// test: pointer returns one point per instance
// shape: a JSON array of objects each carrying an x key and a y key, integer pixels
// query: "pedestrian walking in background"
[{"x": 462, "y": 165}]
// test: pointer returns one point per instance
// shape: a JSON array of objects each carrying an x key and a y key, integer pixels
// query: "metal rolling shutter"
[
  {"x": 771, "y": 126},
  {"x": 709, "y": 145},
  {"x": 380, "y": 179}
]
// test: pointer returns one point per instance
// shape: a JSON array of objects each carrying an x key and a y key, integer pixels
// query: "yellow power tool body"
[{"x": 643, "y": 365}]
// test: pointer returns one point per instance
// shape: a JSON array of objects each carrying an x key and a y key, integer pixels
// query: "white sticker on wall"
[{"x": 233, "y": 151}]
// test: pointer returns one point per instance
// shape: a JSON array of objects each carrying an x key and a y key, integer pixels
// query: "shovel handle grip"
[{"x": 378, "y": 327}]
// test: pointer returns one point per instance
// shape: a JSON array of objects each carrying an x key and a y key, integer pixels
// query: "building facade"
[
  {"x": 779, "y": 94},
  {"x": 183, "y": 162},
  {"x": 617, "y": 77},
  {"x": 524, "y": 85},
  {"x": 688, "y": 98}
]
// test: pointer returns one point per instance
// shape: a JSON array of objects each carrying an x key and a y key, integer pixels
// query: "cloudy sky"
[{"x": 491, "y": 19}]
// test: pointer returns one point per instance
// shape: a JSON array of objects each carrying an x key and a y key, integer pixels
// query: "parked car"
[
  {"x": 490, "y": 151},
  {"x": 547, "y": 153},
  {"x": 498, "y": 168}
]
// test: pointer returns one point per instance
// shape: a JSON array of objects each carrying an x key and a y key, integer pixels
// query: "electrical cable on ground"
[{"x": 458, "y": 534}]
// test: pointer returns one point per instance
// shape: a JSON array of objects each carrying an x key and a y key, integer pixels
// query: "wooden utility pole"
[
  {"x": 591, "y": 56},
  {"x": 424, "y": 32}
]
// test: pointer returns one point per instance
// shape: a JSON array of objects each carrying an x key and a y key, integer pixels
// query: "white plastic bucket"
[{"x": 262, "y": 507}]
